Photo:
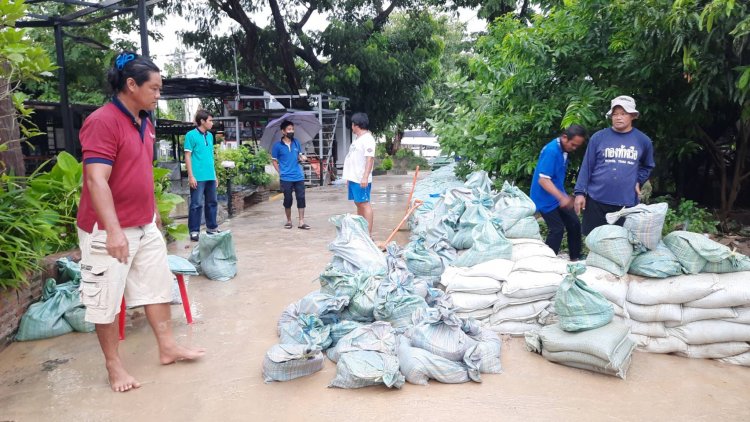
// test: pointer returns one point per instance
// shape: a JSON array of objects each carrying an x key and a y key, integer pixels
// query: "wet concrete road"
[{"x": 63, "y": 379}]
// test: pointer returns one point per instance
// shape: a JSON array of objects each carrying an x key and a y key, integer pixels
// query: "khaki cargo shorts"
[{"x": 144, "y": 280}]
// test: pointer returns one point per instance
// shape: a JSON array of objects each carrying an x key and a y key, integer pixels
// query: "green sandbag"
[
  {"x": 525, "y": 228},
  {"x": 218, "y": 260},
  {"x": 68, "y": 270},
  {"x": 612, "y": 248},
  {"x": 76, "y": 318},
  {"x": 513, "y": 204},
  {"x": 44, "y": 319},
  {"x": 734, "y": 263},
  {"x": 645, "y": 221},
  {"x": 337, "y": 283},
  {"x": 422, "y": 261},
  {"x": 657, "y": 263},
  {"x": 695, "y": 250},
  {"x": 579, "y": 306},
  {"x": 362, "y": 305},
  {"x": 476, "y": 214},
  {"x": 489, "y": 244}
]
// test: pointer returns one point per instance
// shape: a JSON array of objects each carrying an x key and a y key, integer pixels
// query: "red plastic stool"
[{"x": 185, "y": 306}]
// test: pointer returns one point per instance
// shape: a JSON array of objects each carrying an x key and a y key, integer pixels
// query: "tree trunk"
[{"x": 11, "y": 160}]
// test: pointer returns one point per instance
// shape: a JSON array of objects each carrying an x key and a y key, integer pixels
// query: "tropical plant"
[
  {"x": 20, "y": 60},
  {"x": 249, "y": 168},
  {"x": 29, "y": 230},
  {"x": 166, "y": 203}
]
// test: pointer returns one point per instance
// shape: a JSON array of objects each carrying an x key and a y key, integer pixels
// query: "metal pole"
[
  {"x": 230, "y": 211},
  {"x": 70, "y": 143},
  {"x": 236, "y": 75},
  {"x": 320, "y": 136},
  {"x": 143, "y": 24}
]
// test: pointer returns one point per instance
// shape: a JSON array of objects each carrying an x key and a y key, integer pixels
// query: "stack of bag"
[
  {"x": 380, "y": 319},
  {"x": 584, "y": 337},
  {"x": 686, "y": 294}
]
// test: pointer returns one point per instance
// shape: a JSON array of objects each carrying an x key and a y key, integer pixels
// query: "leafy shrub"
[
  {"x": 250, "y": 169},
  {"x": 404, "y": 153},
  {"x": 30, "y": 229},
  {"x": 166, "y": 203},
  {"x": 387, "y": 163},
  {"x": 688, "y": 216}
]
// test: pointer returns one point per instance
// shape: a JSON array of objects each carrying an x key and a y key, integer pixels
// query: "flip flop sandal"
[
  {"x": 304, "y": 227},
  {"x": 288, "y": 225}
]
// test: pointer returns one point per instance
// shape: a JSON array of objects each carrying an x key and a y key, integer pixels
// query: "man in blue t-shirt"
[
  {"x": 618, "y": 161},
  {"x": 287, "y": 154},
  {"x": 199, "y": 160},
  {"x": 548, "y": 191}
]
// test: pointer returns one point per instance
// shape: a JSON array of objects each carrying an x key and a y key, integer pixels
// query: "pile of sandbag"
[
  {"x": 380, "y": 319},
  {"x": 699, "y": 316},
  {"x": 509, "y": 296},
  {"x": 585, "y": 336}
]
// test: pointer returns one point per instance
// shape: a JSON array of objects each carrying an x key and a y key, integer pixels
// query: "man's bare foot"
[
  {"x": 119, "y": 379},
  {"x": 176, "y": 353}
]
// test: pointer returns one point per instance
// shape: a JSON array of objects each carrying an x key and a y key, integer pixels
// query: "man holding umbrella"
[{"x": 287, "y": 154}]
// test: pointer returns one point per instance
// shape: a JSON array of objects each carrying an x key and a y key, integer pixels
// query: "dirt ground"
[{"x": 63, "y": 379}]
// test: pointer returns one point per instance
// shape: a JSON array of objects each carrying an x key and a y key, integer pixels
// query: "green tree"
[{"x": 362, "y": 54}]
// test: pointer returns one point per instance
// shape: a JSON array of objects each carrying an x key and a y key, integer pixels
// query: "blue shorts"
[{"x": 357, "y": 194}]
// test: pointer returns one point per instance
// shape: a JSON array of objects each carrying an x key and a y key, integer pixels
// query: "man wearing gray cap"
[{"x": 618, "y": 161}]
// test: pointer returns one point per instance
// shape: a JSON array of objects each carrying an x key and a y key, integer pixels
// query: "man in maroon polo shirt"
[{"x": 122, "y": 249}]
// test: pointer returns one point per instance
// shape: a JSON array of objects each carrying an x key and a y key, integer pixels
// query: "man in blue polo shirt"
[
  {"x": 548, "y": 191},
  {"x": 287, "y": 154},
  {"x": 199, "y": 160}
]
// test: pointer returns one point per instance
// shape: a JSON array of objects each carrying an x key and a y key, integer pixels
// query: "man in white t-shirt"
[{"x": 358, "y": 167}]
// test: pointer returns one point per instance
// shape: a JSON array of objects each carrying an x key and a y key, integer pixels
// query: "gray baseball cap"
[{"x": 627, "y": 103}]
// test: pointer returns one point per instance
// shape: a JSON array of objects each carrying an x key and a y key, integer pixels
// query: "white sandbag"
[
  {"x": 527, "y": 249},
  {"x": 418, "y": 366},
  {"x": 711, "y": 331},
  {"x": 366, "y": 368},
  {"x": 742, "y": 360},
  {"x": 505, "y": 301},
  {"x": 699, "y": 314},
  {"x": 742, "y": 315},
  {"x": 479, "y": 314},
  {"x": 660, "y": 344},
  {"x": 715, "y": 350},
  {"x": 620, "y": 311},
  {"x": 514, "y": 328},
  {"x": 528, "y": 283},
  {"x": 468, "y": 302},
  {"x": 648, "y": 329},
  {"x": 734, "y": 291},
  {"x": 524, "y": 312},
  {"x": 542, "y": 264},
  {"x": 680, "y": 289},
  {"x": 494, "y": 268},
  {"x": 455, "y": 281},
  {"x": 654, "y": 313},
  {"x": 612, "y": 287}
]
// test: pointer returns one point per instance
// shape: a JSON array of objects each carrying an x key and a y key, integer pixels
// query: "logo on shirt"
[{"x": 623, "y": 154}]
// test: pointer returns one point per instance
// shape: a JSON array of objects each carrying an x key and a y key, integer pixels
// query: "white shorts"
[{"x": 144, "y": 280}]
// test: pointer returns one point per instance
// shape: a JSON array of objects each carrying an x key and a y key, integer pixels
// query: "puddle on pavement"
[{"x": 52, "y": 364}]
